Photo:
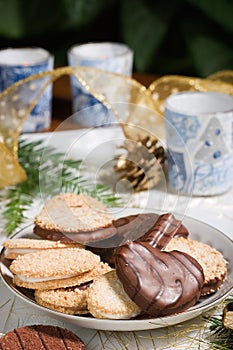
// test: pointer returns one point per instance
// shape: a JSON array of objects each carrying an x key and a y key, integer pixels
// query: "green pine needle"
[
  {"x": 220, "y": 338},
  {"x": 48, "y": 174}
]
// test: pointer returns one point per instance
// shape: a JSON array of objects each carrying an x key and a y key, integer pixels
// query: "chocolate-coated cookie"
[
  {"x": 164, "y": 229},
  {"x": 160, "y": 283}
]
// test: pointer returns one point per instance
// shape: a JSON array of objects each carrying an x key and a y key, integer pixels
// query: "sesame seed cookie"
[
  {"x": 53, "y": 268},
  {"x": 70, "y": 300},
  {"x": 70, "y": 212},
  {"x": 21, "y": 246},
  {"x": 107, "y": 298}
]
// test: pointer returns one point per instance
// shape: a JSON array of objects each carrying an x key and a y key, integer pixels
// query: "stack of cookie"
[
  {"x": 60, "y": 272},
  {"x": 155, "y": 271}
]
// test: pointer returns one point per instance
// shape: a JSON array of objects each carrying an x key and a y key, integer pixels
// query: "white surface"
[{"x": 216, "y": 211}]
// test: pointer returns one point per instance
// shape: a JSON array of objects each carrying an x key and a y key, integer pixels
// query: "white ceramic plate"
[{"x": 198, "y": 231}]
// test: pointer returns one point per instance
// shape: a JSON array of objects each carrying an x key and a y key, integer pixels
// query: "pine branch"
[
  {"x": 48, "y": 173},
  {"x": 220, "y": 338},
  {"x": 18, "y": 201}
]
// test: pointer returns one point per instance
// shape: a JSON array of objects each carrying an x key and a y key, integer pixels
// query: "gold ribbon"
[
  {"x": 163, "y": 87},
  {"x": 131, "y": 102}
]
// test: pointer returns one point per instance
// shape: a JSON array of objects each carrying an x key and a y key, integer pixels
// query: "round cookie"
[
  {"x": 212, "y": 261},
  {"x": 70, "y": 300},
  {"x": 21, "y": 246},
  {"x": 53, "y": 268},
  {"x": 41, "y": 337},
  {"x": 73, "y": 217},
  {"x": 107, "y": 298},
  {"x": 160, "y": 283},
  {"x": 88, "y": 276}
]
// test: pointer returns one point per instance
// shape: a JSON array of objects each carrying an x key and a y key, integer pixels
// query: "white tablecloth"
[{"x": 216, "y": 211}]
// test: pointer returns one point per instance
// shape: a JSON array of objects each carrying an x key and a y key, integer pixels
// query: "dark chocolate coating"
[
  {"x": 160, "y": 283},
  {"x": 80, "y": 237},
  {"x": 41, "y": 337},
  {"x": 151, "y": 228},
  {"x": 127, "y": 228},
  {"x": 164, "y": 229}
]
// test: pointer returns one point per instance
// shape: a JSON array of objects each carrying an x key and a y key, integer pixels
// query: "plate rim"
[{"x": 139, "y": 324}]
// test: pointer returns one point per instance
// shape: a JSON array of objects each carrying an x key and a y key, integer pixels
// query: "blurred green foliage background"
[{"x": 190, "y": 37}]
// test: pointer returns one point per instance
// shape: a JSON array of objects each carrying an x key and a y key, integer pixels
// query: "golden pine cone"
[{"x": 142, "y": 162}]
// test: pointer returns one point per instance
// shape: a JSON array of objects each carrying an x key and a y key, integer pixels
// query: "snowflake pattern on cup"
[
  {"x": 200, "y": 148},
  {"x": 213, "y": 145},
  {"x": 11, "y": 73},
  {"x": 177, "y": 174},
  {"x": 88, "y": 110},
  {"x": 187, "y": 128}
]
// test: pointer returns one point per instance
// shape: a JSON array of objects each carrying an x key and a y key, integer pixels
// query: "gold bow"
[{"x": 144, "y": 105}]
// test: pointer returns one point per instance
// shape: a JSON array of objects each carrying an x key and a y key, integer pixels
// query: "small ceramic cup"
[
  {"x": 199, "y": 132},
  {"x": 19, "y": 63},
  {"x": 108, "y": 56}
]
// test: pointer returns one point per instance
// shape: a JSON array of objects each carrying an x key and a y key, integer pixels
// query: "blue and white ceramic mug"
[
  {"x": 108, "y": 56},
  {"x": 19, "y": 63},
  {"x": 199, "y": 133}
]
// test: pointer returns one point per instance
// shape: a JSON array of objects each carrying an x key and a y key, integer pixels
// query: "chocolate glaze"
[
  {"x": 80, "y": 237},
  {"x": 149, "y": 227},
  {"x": 160, "y": 283},
  {"x": 127, "y": 228},
  {"x": 132, "y": 227},
  {"x": 164, "y": 229}
]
